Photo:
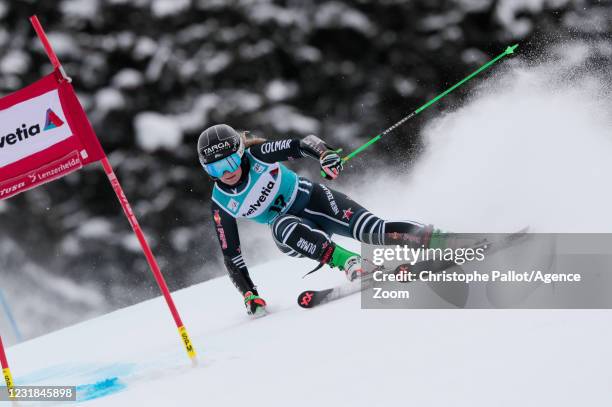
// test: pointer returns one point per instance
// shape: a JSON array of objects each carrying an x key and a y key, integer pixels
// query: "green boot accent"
[
  {"x": 437, "y": 239},
  {"x": 340, "y": 256}
]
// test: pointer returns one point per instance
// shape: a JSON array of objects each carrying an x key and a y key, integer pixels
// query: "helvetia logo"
[
  {"x": 263, "y": 196},
  {"x": 24, "y": 132}
]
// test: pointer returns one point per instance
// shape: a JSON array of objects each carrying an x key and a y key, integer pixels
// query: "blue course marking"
[
  {"x": 100, "y": 389},
  {"x": 100, "y": 380}
]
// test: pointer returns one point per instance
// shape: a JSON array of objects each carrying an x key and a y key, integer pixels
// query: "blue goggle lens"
[{"x": 228, "y": 164}]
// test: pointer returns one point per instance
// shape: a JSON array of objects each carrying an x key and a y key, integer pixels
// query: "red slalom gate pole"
[
  {"x": 6, "y": 371},
  {"x": 127, "y": 209},
  {"x": 45, "y": 41},
  {"x": 47, "y": 46}
]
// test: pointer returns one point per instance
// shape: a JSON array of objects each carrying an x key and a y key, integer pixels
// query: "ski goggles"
[{"x": 228, "y": 164}]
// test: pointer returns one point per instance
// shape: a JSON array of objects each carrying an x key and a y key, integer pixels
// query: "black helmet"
[{"x": 218, "y": 142}]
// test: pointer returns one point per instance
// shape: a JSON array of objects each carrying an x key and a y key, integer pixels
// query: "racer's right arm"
[{"x": 227, "y": 233}]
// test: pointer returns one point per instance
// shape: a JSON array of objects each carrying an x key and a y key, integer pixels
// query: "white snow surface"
[{"x": 335, "y": 355}]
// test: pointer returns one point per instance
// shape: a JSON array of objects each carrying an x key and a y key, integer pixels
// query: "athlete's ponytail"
[{"x": 251, "y": 141}]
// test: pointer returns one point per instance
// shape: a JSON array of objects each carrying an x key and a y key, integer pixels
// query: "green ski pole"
[{"x": 508, "y": 51}]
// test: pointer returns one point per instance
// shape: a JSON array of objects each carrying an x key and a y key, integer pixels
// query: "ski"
[{"x": 313, "y": 298}]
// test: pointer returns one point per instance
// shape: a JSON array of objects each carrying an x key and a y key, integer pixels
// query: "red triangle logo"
[{"x": 52, "y": 121}]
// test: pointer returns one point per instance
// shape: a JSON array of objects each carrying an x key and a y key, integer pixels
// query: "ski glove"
[{"x": 331, "y": 165}]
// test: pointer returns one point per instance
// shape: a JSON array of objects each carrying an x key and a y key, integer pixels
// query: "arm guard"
[
  {"x": 275, "y": 151},
  {"x": 227, "y": 233},
  {"x": 314, "y": 147}
]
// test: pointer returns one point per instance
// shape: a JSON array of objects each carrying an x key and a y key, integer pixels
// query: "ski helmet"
[{"x": 220, "y": 149}]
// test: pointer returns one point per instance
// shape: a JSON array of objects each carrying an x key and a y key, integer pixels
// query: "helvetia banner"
[{"x": 44, "y": 135}]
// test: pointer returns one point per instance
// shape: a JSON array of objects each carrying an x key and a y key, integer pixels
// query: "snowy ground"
[{"x": 335, "y": 355}]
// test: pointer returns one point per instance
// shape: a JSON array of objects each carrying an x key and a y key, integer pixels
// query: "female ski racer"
[{"x": 251, "y": 183}]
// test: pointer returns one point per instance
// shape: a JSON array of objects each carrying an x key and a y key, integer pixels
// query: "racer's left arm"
[
  {"x": 311, "y": 146},
  {"x": 275, "y": 151}
]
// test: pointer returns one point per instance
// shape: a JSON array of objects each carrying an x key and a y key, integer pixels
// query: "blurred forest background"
[{"x": 153, "y": 73}]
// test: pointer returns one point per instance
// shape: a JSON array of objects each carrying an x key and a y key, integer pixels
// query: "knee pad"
[
  {"x": 280, "y": 228},
  {"x": 298, "y": 237}
]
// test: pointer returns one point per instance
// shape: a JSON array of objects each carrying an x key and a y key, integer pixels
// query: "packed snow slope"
[
  {"x": 531, "y": 146},
  {"x": 336, "y": 355}
]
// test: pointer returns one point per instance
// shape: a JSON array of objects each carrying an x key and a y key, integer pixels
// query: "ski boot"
[
  {"x": 439, "y": 239},
  {"x": 346, "y": 261},
  {"x": 255, "y": 305}
]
